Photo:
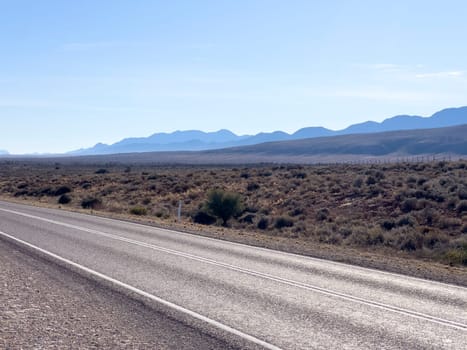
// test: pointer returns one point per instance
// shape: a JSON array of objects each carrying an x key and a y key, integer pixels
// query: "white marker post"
[{"x": 179, "y": 211}]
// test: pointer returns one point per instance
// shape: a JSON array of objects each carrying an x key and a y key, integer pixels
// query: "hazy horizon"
[{"x": 75, "y": 74}]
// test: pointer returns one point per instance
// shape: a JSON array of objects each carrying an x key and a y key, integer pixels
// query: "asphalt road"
[{"x": 262, "y": 297}]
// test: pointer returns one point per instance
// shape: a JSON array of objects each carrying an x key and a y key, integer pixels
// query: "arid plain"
[{"x": 404, "y": 217}]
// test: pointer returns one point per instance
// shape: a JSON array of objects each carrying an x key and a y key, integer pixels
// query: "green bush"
[{"x": 224, "y": 205}]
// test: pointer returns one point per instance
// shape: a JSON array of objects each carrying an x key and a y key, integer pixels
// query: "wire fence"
[{"x": 396, "y": 160}]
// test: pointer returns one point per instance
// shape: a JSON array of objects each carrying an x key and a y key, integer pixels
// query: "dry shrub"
[
  {"x": 91, "y": 203},
  {"x": 282, "y": 222},
  {"x": 138, "y": 211}
]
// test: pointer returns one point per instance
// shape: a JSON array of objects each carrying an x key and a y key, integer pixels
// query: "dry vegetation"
[{"x": 419, "y": 209}]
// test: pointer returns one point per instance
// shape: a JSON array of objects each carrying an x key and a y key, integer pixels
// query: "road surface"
[{"x": 251, "y": 296}]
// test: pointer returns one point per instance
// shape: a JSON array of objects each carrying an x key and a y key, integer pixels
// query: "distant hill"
[
  {"x": 179, "y": 140},
  {"x": 444, "y": 118},
  {"x": 450, "y": 140},
  {"x": 389, "y": 145},
  {"x": 195, "y": 140},
  {"x": 4, "y": 153}
]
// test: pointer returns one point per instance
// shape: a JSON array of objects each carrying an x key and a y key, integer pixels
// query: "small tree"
[{"x": 224, "y": 205}]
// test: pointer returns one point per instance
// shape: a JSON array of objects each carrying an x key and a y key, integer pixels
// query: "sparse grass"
[{"x": 415, "y": 209}]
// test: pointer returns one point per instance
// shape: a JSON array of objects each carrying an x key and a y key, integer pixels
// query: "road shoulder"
[{"x": 43, "y": 305}]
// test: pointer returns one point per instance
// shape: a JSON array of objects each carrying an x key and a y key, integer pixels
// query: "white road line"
[
  {"x": 217, "y": 240},
  {"x": 297, "y": 284},
  {"x": 152, "y": 297}
]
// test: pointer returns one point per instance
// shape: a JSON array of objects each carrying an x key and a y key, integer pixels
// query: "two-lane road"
[{"x": 268, "y": 298}]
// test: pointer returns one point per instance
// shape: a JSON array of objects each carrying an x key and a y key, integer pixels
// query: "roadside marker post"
[{"x": 179, "y": 211}]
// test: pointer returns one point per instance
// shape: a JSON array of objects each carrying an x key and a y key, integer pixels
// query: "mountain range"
[
  {"x": 389, "y": 146},
  {"x": 195, "y": 140}
]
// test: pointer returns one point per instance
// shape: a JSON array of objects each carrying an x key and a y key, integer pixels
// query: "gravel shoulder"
[{"x": 44, "y": 306}]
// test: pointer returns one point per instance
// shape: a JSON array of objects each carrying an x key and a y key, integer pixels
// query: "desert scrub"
[
  {"x": 252, "y": 186},
  {"x": 415, "y": 209},
  {"x": 101, "y": 171},
  {"x": 322, "y": 214},
  {"x": 64, "y": 199},
  {"x": 91, "y": 203},
  {"x": 138, "y": 211},
  {"x": 462, "y": 207},
  {"x": 203, "y": 218},
  {"x": 283, "y": 221},
  {"x": 62, "y": 190},
  {"x": 263, "y": 223},
  {"x": 457, "y": 256}
]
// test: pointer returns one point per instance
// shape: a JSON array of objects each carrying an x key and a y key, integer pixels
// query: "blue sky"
[{"x": 74, "y": 73}]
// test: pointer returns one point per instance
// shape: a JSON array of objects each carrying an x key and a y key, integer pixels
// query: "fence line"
[{"x": 395, "y": 160}]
